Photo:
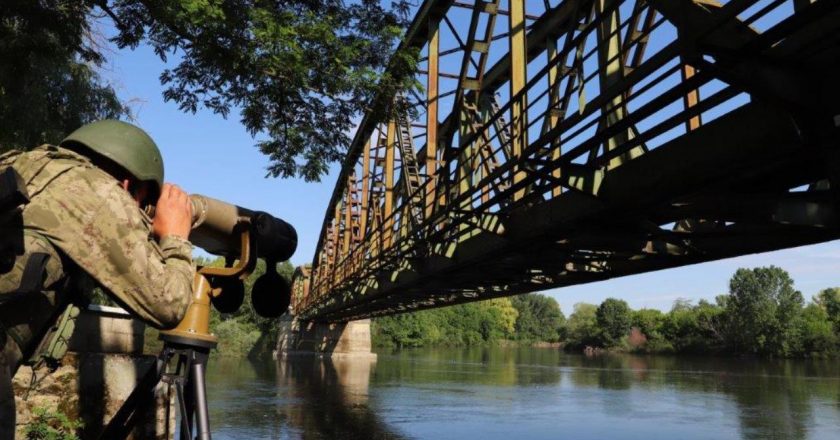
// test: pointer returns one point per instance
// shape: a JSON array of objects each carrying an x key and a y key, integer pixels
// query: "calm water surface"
[{"x": 526, "y": 393}]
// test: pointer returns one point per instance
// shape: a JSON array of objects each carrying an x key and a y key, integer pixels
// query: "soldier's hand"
[{"x": 173, "y": 213}]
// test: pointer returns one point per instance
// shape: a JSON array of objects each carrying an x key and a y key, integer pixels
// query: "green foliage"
[
  {"x": 460, "y": 325},
  {"x": 236, "y": 337},
  {"x": 651, "y": 323},
  {"x": 762, "y": 309},
  {"x": 540, "y": 318},
  {"x": 49, "y": 425},
  {"x": 298, "y": 71},
  {"x": 614, "y": 318},
  {"x": 763, "y": 315},
  {"x": 48, "y": 82},
  {"x": 648, "y": 321},
  {"x": 693, "y": 329},
  {"x": 829, "y": 300},
  {"x": 815, "y": 332},
  {"x": 582, "y": 327}
]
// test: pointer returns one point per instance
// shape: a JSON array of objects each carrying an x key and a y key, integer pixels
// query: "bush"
[
  {"x": 236, "y": 338},
  {"x": 460, "y": 325},
  {"x": 815, "y": 332},
  {"x": 49, "y": 425},
  {"x": 539, "y": 318}
]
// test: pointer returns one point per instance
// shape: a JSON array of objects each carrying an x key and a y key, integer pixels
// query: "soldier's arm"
[
  {"x": 99, "y": 226},
  {"x": 152, "y": 280}
]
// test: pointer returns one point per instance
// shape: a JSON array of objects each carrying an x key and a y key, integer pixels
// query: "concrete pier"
[
  {"x": 336, "y": 340},
  {"x": 104, "y": 362}
]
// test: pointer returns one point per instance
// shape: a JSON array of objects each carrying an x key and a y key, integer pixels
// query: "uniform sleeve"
[{"x": 97, "y": 224}]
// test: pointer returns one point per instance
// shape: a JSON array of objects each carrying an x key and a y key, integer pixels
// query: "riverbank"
[{"x": 763, "y": 315}]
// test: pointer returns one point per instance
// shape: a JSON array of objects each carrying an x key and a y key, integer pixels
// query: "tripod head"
[{"x": 241, "y": 236}]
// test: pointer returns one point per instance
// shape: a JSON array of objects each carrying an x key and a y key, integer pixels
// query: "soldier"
[{"x": 85, "y": 221}]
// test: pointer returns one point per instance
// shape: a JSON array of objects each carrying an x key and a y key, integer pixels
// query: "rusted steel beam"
[
  {"x": 432, "y": 118},
  {"x": 388, "y": 205},
  {"x": 483, "y": 232},
  {"x": 430, "y": 11}
]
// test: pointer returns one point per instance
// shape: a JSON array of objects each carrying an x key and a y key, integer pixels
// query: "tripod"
[
  {"x": 191, "y": 342},
  {"x": 187, "y": 379}
]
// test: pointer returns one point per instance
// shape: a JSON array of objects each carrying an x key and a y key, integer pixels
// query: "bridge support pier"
[{"x": 334, "y": 339}]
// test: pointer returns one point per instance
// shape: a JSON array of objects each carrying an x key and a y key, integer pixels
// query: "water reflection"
[
  {"x": 496, "y": 393},
  {"x": 331, "y": 398},
  {"x": 477, "y": 365},
  {"x": 302, "y": 397},
  {"x": 773, "y": 398}
]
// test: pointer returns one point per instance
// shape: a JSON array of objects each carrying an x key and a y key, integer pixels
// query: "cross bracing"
[{"x": 565, "y": 142}]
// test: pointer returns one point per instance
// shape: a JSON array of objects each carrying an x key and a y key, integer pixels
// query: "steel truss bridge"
[{"x": 564, "y": 142}]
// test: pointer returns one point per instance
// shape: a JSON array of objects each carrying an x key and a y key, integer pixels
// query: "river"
[{"x": 523, "y": 393}]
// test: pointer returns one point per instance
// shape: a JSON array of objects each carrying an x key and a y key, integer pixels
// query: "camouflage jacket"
[{"x": 82, "y": 211}]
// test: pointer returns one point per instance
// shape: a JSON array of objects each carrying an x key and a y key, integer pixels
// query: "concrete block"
[
  {"x": 101, "y": 370},
  {"x": 336, "y": 339}
]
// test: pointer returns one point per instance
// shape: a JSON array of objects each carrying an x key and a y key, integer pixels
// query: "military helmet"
[{"x": 125, "y": 144}]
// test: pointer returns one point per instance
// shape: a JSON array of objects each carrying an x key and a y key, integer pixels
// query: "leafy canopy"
[
  {"x": 540, "y": 318},
  {"x": 48, "y": 80},
  {"x": 296, "y": 71},
  {"x": 763, "y": 307},
  {"x": 614, "y": 317}
]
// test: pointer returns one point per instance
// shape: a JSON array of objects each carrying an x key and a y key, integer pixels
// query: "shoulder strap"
[{"x": 12, "y": 190}]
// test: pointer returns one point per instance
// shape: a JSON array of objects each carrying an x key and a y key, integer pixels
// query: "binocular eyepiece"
[{"x": 218, "y": 227}]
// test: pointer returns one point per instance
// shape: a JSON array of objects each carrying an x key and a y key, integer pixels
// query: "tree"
[
  {"x": 582, "y": 327},
  {"x": 815, "y": 331},
  {"x": 762, "y": 310},
  {"x": 694, "y": 328},
  {"x": 648, "y": 321},
  {"x": 614, "y": 318},
  {"x": 48, "y": 80},
  {"x": 540, "y": 318},
  {"x": 298, "y": 71},
  {"x": 460, "y": 325},
  {"x": 829, "y": 300},
  {"x": 503, "y": 316}
]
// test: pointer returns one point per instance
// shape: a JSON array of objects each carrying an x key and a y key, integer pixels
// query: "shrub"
[{"x": 51, "y": 425}]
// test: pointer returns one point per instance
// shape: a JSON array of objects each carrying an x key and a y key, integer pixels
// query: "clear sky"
[{"x": 207, "y": 154}]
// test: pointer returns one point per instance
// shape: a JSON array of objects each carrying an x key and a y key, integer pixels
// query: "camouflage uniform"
[{"x": 81, "y": 217}]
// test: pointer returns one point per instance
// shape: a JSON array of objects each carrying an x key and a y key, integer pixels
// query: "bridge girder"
[{"x": 585, "y": 140}]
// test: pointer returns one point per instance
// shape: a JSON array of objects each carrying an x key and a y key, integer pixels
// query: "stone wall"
[{"x": 101, "y": 369}]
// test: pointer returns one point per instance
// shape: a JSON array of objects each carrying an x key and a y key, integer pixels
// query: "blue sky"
[{"x": 207, "y": 154}]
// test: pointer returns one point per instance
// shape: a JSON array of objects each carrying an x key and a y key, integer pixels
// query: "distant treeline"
[
  {"x": 527, "y": 318},
  {"x": 763, "y": 315}
]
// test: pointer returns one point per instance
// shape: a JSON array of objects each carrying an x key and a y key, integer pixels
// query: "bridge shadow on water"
[{"x": 301, "y": 397}]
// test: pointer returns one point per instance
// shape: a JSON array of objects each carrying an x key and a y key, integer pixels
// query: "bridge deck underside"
[{"x": 759, "y": 176}]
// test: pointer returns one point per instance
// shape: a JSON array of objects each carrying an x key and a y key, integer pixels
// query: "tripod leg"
[
  {"x": 186, "y": 394},
  {"x": 124, "y": 420},
  {"x": 185, "y": 422},
  {"x": 198, "y": 387}
]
